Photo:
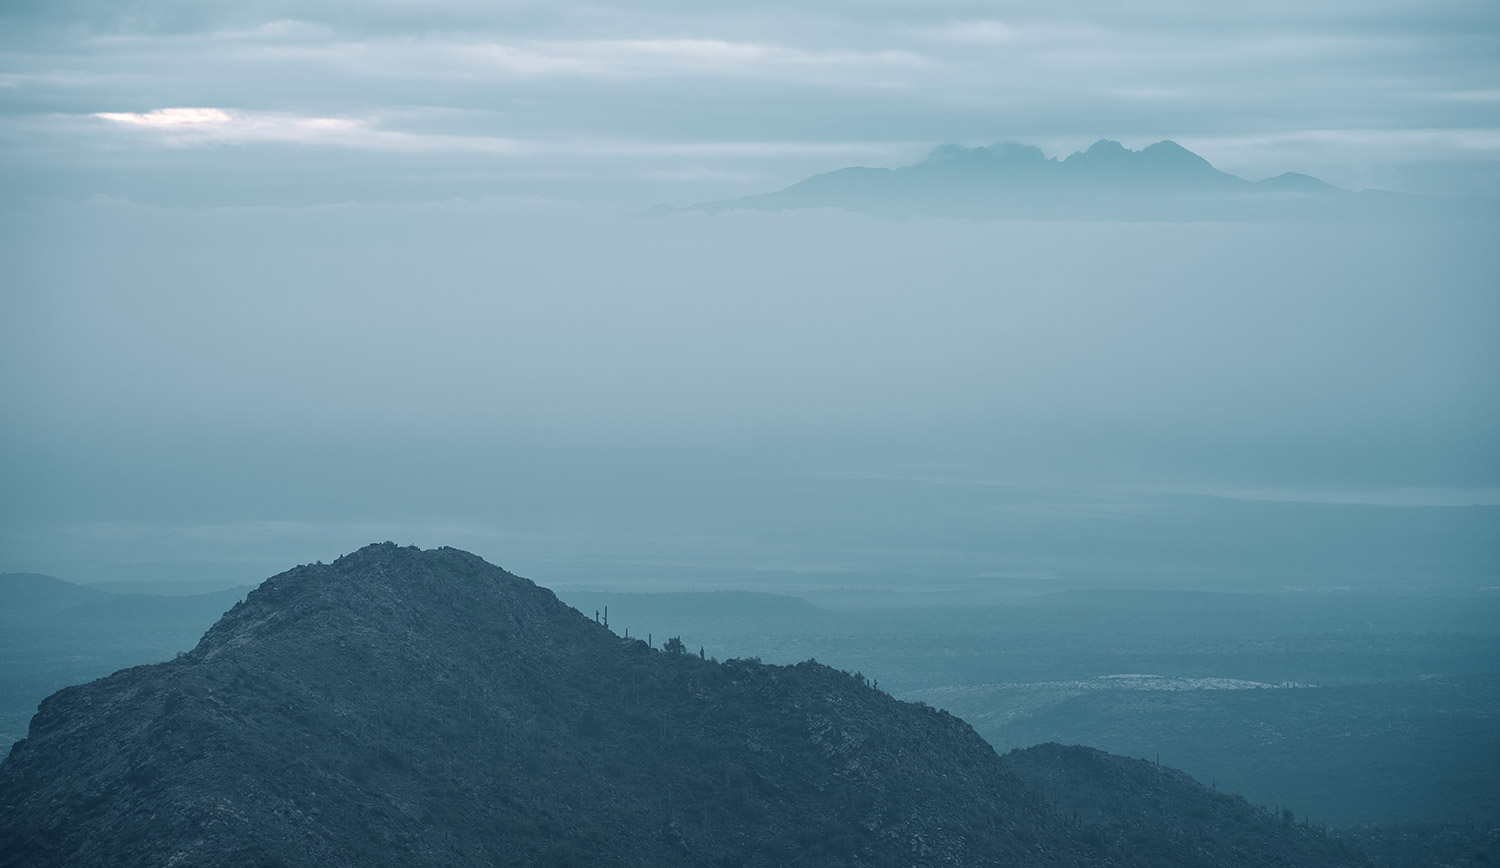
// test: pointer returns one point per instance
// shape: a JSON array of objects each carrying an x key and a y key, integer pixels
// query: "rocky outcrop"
[{"x": 407, "y": 707}]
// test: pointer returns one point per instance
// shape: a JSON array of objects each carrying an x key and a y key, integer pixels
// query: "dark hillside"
[
  {"x": 407, "y": 707},
  {"x": 1160, "y": 816},
  {"x": 402, "y": 707}
]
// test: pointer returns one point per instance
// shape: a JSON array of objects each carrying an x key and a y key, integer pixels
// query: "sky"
[
  {"x": 277, "y": 280},
  {"x": 220, "y": 102}
]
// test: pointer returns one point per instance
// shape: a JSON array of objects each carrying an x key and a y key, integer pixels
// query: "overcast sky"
[
  {"x": 678, "y": 101},
  {"x": 277, "y": 279}
]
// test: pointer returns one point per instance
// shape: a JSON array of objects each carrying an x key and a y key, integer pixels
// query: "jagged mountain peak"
[
  {"x": 1106, "y": 181},
  {"x": 1168, "y": 152},
  {"x": 1172, "y": 149},
  {"x": 1104, "y": 149},
  {"x": 1165, "y": 165}
]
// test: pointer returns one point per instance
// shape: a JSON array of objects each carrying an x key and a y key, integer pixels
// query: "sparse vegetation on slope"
[
  {"x": 406, "y": 707},
  {"x": 1160, "y": 816},
  {"x": 401, "y": 707}
]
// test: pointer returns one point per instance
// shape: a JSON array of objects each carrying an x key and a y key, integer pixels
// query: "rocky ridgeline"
[{"x": 406, "y": 707}]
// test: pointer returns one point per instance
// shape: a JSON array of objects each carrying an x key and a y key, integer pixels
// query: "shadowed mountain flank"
[
  {"x": 407, "y": 707},
  {"x": 1161, "y": 182},
  {"x": 1166, "y": 817}
]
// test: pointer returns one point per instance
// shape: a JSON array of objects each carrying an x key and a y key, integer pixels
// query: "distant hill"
[
  {"x": 169, "y": 588},
  {"x": 148, "y": 614},
  {"x": 24, "y": 595},
  {"x": 1161, "y": 182},
  {"x": 1412, "y": 752},
  {"x": 406, "y": 707}
]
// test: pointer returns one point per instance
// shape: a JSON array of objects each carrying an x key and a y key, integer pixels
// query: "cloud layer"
[{"x": 1354, "y": 92}]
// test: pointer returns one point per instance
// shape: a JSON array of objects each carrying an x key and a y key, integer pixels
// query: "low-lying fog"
[{"x": 760, "y": 400}]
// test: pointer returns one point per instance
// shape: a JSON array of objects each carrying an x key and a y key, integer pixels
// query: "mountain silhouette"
[
  {"x": 1107, "y": 181},
  {"x": 408, "y": 707},
  {"x": 27, "y": 595}
]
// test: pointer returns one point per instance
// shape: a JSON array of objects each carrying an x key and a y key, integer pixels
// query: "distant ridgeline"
[
  {"x": 425, "y": 708},
  {"x": 1164, "y": 181}
]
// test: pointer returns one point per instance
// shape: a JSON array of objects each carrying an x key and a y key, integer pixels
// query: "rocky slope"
[
  {"x": 1161, "y": 816},
  {"x": 406, "y": 707}
]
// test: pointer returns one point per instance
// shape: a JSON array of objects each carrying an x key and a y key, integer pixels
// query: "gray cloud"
[{"x": 1303, "y": 82}]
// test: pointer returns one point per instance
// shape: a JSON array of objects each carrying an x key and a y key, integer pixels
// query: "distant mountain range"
[
  {"x": 407, "y": 707},
  {"x": 1108, "y": 181}
]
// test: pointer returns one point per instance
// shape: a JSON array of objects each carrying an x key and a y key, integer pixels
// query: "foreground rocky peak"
[
  {"x": 408, "y": 707},
  {"x": 386, "y": 593}
]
